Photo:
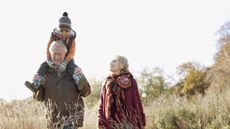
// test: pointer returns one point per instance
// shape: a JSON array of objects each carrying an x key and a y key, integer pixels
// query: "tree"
[
  {"x": 152, "y": 82},
  {"x": 193, "y": 79},
  {"x": 219, "y": 74}
]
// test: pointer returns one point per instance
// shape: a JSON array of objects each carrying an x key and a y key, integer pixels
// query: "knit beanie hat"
[{"x": 64, "y": 21}]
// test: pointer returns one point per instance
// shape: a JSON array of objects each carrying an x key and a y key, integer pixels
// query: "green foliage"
[
  {"x": 216, "y": 123},
  {"x": 206, "y": 112},
  {"x": 180, "y": 119},
  {"x": 220, "y": 121},
  {"x": 167, "y": 121}
]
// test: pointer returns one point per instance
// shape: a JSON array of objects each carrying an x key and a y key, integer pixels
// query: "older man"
[{"x": 63, "y": 100}]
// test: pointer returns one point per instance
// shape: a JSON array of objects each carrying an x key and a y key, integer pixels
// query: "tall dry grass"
[
  {"x": 201, "y": 112},
  {"x": 167, "y": 112},
  {"x": 26, "y": 114},
  {"x": 29, "y": 114}
]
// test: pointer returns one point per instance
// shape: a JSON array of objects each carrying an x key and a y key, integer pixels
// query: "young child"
[{"x": 67, "y": 35}]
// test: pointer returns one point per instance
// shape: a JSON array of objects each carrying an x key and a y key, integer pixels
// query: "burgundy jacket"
[{"x": 133, "y": 109}]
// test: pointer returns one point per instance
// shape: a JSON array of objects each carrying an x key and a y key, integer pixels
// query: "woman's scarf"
[{"x": 115, "y": 92}]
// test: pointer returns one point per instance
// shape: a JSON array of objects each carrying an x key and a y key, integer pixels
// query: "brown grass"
[{"x": 209, "y": 112}]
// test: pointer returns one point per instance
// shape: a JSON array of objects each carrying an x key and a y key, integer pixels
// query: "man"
[{"x": 63, "y": 99}]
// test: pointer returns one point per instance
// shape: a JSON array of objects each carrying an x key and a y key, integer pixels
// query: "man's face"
[{"x": 58, "y": 55}]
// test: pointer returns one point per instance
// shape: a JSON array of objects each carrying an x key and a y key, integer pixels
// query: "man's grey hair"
[{"x": 58, "y": 43}]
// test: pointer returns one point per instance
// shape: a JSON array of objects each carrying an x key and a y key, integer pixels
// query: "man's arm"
[
  {"x": 40, "y": 94},
  {"x": 86, "y": 90}
]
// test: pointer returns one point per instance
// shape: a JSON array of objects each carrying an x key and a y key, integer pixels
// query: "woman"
[{"x": 120, "y": 104}]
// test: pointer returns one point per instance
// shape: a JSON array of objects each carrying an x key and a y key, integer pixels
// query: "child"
[{"x": 67, "y": 35}]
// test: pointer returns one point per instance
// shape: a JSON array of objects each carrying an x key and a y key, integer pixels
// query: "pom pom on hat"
[
  {"x": 65, "y": 14},
  {"x": 64, "y": 21}
]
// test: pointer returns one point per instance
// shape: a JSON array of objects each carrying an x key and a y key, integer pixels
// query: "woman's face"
[{"x": 115, "y": 66}]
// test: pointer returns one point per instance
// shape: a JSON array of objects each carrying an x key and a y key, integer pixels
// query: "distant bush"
[
  {"x": 180, "y": 119},
  {"x": 203, "y": 112},
  {"x": 192, "y": 81},
  {"x": 93, "y": 99},
  {"x": 152, "y": 83}
]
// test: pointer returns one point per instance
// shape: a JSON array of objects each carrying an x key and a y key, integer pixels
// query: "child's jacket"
[{"x": 69, "y": 42}]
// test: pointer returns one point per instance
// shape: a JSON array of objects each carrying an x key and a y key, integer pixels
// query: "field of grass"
[{"x": 211, "y": 111}]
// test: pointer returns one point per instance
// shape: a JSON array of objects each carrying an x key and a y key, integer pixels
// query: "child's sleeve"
[
  {"x": 71, "y": 53},
  {"x": 48, "y": 47}
]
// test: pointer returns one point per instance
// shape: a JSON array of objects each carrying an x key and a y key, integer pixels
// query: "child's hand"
[
  {"x": 78, "y": 71},
  {"x": 36, "y": 77}
]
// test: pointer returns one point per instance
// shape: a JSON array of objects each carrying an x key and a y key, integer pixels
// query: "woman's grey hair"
[
  {"x": 58, "y": 43},
  {"x": 124, "y": 61}
]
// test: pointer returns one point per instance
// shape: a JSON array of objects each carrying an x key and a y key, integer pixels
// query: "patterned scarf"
[{"x": 115, "y": 92}]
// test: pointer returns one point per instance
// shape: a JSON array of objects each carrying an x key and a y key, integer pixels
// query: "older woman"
[{"x": 120, "y": 104}]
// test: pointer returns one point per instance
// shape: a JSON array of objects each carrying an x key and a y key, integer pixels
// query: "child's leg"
[
  {"x": 38, "y": 78},
  {"x": 40, "y": 75},
  {"x": 43, "y": 69},
  {"x": 71, "y": 68}
]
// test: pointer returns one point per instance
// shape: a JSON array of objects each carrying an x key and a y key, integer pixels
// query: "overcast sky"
[{"x": 163, "y": 33}]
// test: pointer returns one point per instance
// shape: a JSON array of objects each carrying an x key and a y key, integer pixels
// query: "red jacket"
[{"x": 132, "y": 107}]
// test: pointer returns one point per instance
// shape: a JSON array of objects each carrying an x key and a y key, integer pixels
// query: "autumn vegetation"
[{"x": 200, "y": 98}]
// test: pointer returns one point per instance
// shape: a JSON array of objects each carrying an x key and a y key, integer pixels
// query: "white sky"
[{"x": 151, "y": 33}]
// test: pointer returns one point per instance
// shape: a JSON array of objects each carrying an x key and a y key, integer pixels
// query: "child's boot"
[{"x": 35, "y": 85}]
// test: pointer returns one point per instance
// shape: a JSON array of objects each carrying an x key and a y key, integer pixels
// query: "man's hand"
[
  {"x": 51, "y": 64},
  {"x": 62, "y": 66}
]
